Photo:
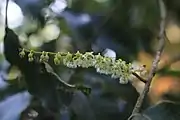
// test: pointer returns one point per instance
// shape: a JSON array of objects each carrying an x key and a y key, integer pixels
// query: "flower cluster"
[
  {"x": 30, "y": 56},
  {"x": 104, "y": 65},
  {"x": 44, "y": 57}
]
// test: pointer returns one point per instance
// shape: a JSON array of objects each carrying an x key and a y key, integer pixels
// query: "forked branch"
[{"x": 156, "y": 60}]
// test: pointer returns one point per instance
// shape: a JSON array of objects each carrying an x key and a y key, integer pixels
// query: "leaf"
[
  {"x": 108, "y": 99},
  {"x": 162, "y": 111},
  {"x": 82, "y": 109},
  {"x": 40, "y": 84},
  {"x": 66, "y": 86}
]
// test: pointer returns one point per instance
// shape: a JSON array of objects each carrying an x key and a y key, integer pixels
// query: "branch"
[
  {"x": 139, "y": 77},
  {"x": 156, "y": 60}
]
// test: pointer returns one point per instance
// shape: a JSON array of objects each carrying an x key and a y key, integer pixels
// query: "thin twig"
[
  {"x": 139, "y": 77},
  {"x": 138, "y": 116},
  {"x": 64, "y": 85},
  {"x": 50, "y": 70},
  {"x": 6, "y": 19},
  {"x": 156, "y": 59}
]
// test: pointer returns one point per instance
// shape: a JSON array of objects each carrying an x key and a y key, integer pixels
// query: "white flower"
[{"x": 123, "y": 80}]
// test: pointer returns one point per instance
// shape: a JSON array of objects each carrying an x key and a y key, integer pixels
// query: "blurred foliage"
[
  {"x": 162, "y": 111},
  {"x": 129, "y": 28}
]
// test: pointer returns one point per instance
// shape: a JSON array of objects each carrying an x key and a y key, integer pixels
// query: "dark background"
[{"x": 129, "y": 28}]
